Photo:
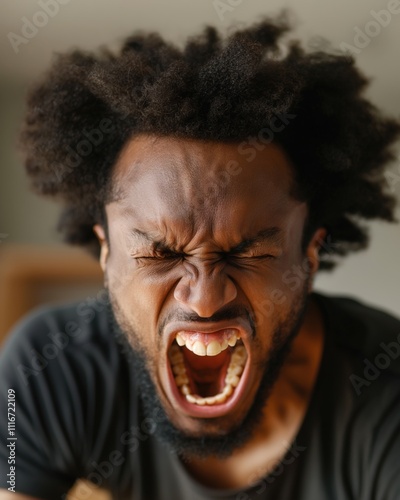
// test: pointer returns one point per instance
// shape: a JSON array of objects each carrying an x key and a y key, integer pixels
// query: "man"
[{"x": 213, "y": 181}]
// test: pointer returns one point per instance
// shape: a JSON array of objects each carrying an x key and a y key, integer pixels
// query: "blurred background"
[{"x": 34, "y": 266}]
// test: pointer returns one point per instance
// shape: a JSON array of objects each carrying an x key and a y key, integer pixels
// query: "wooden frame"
[{"x": 24, "y": 269}]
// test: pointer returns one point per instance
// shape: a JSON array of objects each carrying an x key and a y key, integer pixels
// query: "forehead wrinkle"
[
  {"x": 183, "y": 178},
  {"x": 165, "y": 235},
  {"x": 181, "y": 168}
]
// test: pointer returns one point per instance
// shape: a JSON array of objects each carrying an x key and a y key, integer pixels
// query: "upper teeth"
[
  {"x": 232, "y": 378},
  {"x": 202, "y": 345}
]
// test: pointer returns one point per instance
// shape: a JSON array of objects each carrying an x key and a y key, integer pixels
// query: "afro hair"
[{"x": 214, "y": 88}]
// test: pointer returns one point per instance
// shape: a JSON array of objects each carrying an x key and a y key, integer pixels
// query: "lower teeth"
[{"x": 235, "y": 369}]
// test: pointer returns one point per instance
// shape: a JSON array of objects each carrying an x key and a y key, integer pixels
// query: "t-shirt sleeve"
[
  {"x": 385, "y": 457},
  {"x": 374, "y": 444},
  {"x": 42, "y": 443}
]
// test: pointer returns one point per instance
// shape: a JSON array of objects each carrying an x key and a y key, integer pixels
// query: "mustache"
[{"x": 234, "y": 312}]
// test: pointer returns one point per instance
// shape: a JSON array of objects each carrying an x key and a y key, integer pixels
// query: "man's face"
[{"x": 199, "y": 244}]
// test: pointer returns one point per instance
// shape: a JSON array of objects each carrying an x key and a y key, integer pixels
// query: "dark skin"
[{"x": 195, "y": 228}]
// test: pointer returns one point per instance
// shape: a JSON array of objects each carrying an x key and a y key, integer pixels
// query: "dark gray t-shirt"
[{"x": 79, "y": 414}]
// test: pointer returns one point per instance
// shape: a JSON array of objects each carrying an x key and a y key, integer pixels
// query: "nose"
[{"x": 205, "y": 291}]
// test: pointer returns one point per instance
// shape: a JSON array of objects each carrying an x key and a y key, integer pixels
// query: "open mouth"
[{"x": 208, "y": 368}]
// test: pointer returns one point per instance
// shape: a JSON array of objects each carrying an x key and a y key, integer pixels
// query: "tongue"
[{"x": 207, "y": 372}]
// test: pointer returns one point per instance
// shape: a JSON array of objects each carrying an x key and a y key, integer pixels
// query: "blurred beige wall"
[
  {"x": 24, "y": 217},
  {"x": 373, "y": 275}
]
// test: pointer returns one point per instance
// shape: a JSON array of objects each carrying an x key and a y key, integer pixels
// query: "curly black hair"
[{"x": 214, "y": 88}]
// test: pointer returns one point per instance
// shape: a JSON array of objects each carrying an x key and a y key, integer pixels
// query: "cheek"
[
  {"x": 141, "y": 292},
  {"x": 273, "y": 290}
]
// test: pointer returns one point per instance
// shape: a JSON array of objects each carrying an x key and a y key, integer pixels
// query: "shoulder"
[
  {"x": 366, "y": 331},
  {"x": 63, "y": 341},
  {"x": 363, "y": 394},
  {"x": 73, "y": 389},
  {"x": 61, "y": 327}
]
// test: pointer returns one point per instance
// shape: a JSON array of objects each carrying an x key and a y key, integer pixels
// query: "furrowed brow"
[
  {"x": 162, "y": 244},
  {"x": 270, "y": 234}
]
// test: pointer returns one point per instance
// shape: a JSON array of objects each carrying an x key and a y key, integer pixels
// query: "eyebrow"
[
  {"x": 145, "y": 236},
  {"x": 159, "y": 244},
  {"x": 270, "y": 234}
]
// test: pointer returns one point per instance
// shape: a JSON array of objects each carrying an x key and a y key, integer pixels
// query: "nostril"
[
  {"x": 230, "y": 290},
  {"x": 182, "y": 292}
]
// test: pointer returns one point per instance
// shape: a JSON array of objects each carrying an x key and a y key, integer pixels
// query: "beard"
[{"x": 177, "y": 441}]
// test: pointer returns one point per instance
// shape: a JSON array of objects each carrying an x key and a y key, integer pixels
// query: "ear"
[
  {"x": 313, "y": 249},
  {"x": 104, "y": 248}
]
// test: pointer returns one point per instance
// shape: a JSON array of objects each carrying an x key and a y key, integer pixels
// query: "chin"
[{"x": 208, "y": 388}]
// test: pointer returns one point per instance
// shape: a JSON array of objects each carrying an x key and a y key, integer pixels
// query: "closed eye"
[
  {"x": 253, "y": 257},
  {"x": 159, "y": 255},
  {"x": 249, "y": 260}
]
